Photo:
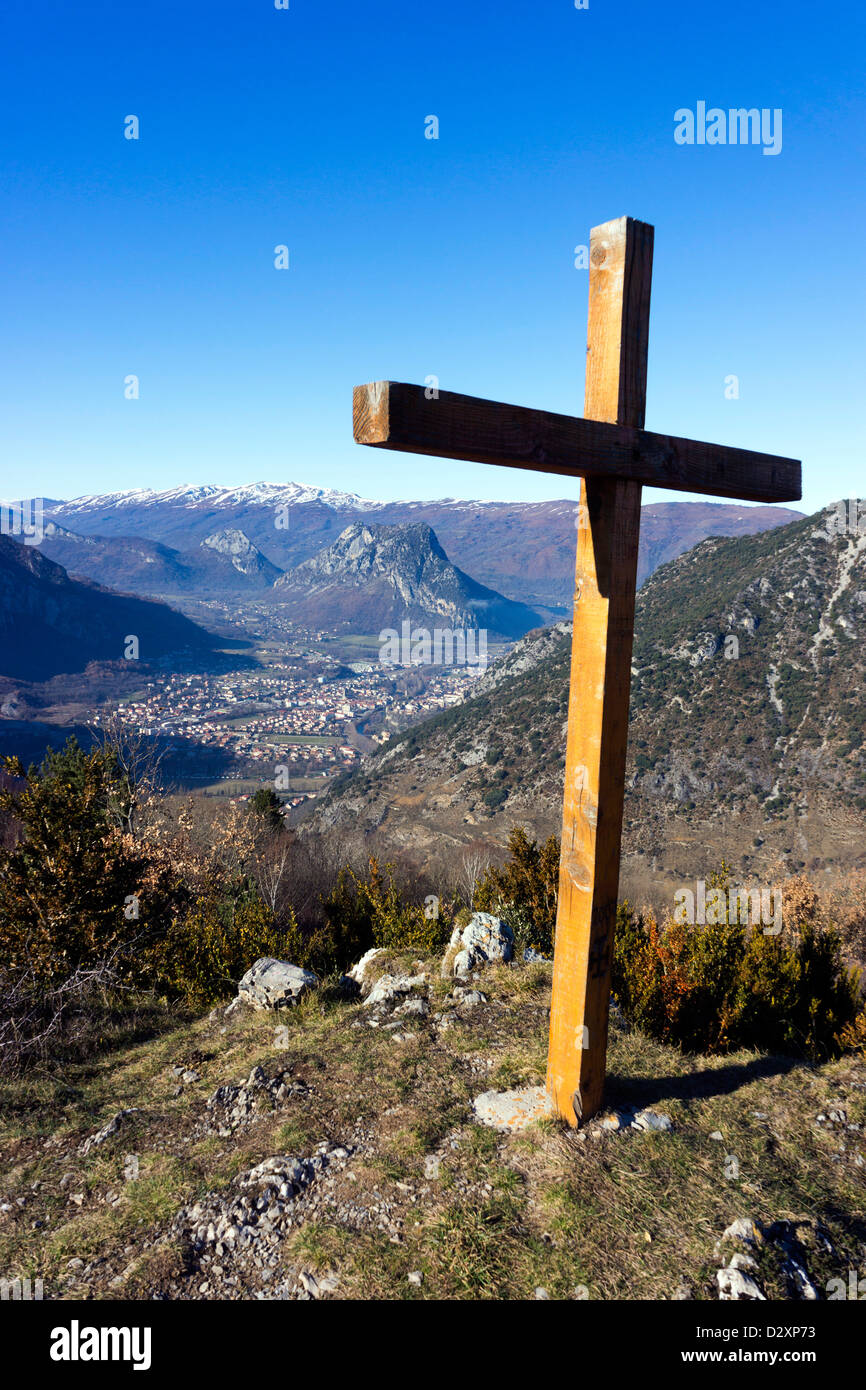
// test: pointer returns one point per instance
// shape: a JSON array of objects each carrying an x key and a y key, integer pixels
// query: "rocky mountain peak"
[
  {"x": 377, "y": 576},
  {"x": 235, "y": 546}
]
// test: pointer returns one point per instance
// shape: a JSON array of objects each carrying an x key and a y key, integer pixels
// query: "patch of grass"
[
  {"x": 481, "y": 1141},
  {"x": 298, "y": 1135},
  {"x": 320, "y": 1245},
  {"x": 163, "y": 1185},
  {"x": 430, "y": 1126},
  {"x": 481, "y": 1251},
  {"x": 512, "y": 1072}
]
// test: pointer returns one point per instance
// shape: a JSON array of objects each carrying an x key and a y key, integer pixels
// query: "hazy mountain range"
[
  {"x": 223, "y": 562},
  {"x": 370, "y": 578},
  {"x": 327, "y": 558},
  {"x": 50, "y": 623},
  {"x": 522, "y": 550}
]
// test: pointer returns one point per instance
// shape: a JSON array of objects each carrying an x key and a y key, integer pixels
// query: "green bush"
[
  {"x": 494, "y": 797},
  {"x": 72, "y": 889},
  {"x": 364, "y": 912},
  {"x": 265, "y": 804},
  {"x": 524, "y": 891},
  {"x": 203, "y": 955}
]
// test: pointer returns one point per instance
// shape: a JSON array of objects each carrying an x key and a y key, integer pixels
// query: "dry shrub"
[
  {"x": 844, "y": 904},
  {"x": 727, "y": 985},
  {"x": 853, "y": 1036},
  {"x": 36, "y": 1020}
]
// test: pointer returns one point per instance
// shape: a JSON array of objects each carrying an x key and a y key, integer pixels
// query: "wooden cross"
[{"x": 613, "y": 455}]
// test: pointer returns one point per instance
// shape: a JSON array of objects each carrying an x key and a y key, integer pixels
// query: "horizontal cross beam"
[{"x": 394, "y": 415}]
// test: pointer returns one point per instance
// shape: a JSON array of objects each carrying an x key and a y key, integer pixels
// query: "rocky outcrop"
[
  {"x": 484, "y": 939},
  {"x": 390, "y": 987},
  {"x": 375, "y": 577},
  {"x": 362, "y": 971},
  {"x": 108, "y": 1131},
  {"x": 236, "y": 548},
  {"x": 275, "y": 984}
]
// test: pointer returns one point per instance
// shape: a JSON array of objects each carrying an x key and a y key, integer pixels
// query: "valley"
[
  {"x": 275, "y": 662},
  {"x": 298, "y": 719}
]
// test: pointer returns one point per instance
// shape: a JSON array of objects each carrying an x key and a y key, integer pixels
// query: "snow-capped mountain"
[
  {"x": 192, "y": 496},
  {"x": 524, "y": 550}
]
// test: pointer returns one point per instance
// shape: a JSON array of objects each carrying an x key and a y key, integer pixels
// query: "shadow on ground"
[{"x": 695, "y": 1085}]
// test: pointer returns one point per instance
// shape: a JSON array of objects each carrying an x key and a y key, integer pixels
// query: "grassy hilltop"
[{"x": 589, "y": 1214}]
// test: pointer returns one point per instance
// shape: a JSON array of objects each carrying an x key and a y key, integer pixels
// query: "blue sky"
[{"x": 408, "y": 256}]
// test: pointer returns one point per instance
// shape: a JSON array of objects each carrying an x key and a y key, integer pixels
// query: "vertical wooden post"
[{"x": 607, "y": 546}]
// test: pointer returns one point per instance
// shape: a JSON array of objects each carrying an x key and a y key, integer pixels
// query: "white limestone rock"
[
  {"x": 734, "y": 1284},
  {"x": 652, "y": 1120},
  {"x": 510, "y": 1110},
  {"x": 112, "y": 1127},
  {"x": 275, "y": 984},
  {"x": 484, "y": 939},
  {"x": 361, "y": 970},
  {"x": 389, "y": 987}
]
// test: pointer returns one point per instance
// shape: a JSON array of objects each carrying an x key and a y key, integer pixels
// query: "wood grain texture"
[
  {"x": 605, "y": 577},
  {"x": 621, "y": 258},
  {"x": 395, "y": 415}
]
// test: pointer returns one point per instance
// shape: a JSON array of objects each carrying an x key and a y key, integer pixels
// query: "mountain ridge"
[
  {"x": 377, "y": 576},
  {"x": 224, "y": 561},
  {"x": 522, "y": 550},
  {"x": 51, "y": 623}
]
